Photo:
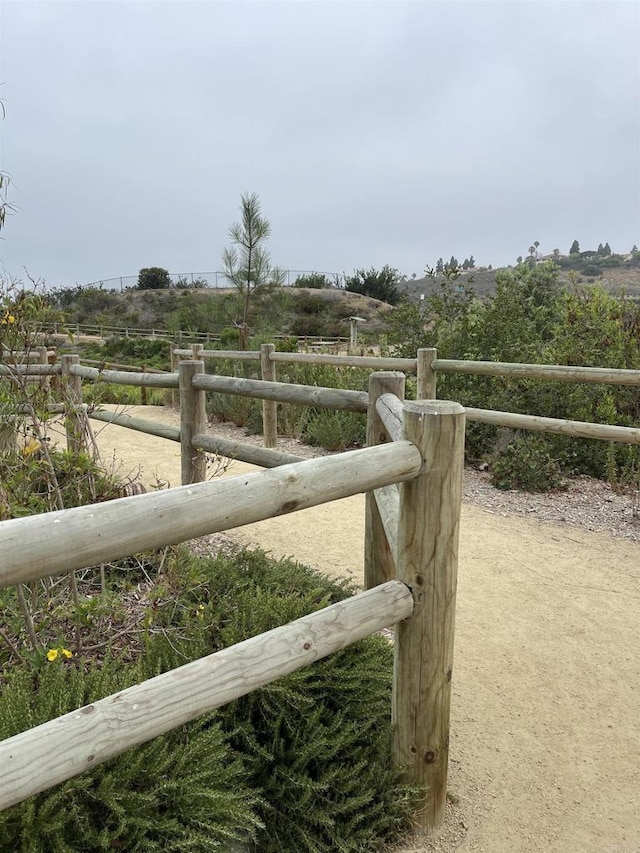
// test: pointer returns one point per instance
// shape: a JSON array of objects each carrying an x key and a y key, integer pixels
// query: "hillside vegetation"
[
  {"x": 617, "y": 274},
  {"x": 532, "y": 318},
  {"x": 282, "y": 311}
]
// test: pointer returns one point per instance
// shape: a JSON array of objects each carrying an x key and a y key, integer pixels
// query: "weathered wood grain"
[
  {"x": 576, "y": 429},
  {"x": 427, "y": 377},
  {"x": 31, "y": 369},
  {"x": 564, "y": 373},
  {"x": 193, "y": 421},
  {"x": 389, "y": 408},
  {"x": 376, "y": 363},
  {"x": 74, "y": 421},
  {"x": 306, "y": 395},
  {"x": 379, "y": 559},
  {"x": 427, "y": 562},
  {"x": 233, "y": 355},
  {"x": 137, "y": 424},
  {"x": 262, "y": 456},
  {"x": 269, "y": 407},
  {"x": 121, "y": 377},
  {"x": 57, "y": 542},
  {"x": 388, "y": 504}
]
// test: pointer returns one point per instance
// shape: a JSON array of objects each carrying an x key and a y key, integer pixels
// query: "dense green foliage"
[
  {"x": 313, "y": 280},
  {"x": 530, "y": 319},
  {"x": 301, "y": 765},
  {"x": 153, "y": 278},
  {"x": 379, "y": 284},
  {"x": 311, "y": 424}
]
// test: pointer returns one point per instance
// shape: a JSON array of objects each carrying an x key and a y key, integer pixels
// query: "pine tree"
[
  {"x": 440, "y": 265},
  {"x": 607, "y": 250},
  {"x": 247, "y": 264},
  {"x": 600, "y": 249},
  {"x": 575, "y": 248}
]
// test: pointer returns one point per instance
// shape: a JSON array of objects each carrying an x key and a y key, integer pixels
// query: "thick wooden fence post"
[
  {"x": 269, "y": 407},
  {"x": 196, "y": 351},
  {"x": 426, "y": 374},
  {"x": 428, "y": 532},
  {"x": 43, "y": 358},
  {"x": 379, "y": 564},
  {"x": 74, "y": 424},
  {"x": 193, "y": 420}
]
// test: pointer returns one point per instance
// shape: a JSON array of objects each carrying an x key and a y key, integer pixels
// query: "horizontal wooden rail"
[
  {"x": 55, "y": 751},
  {"x": 574, "y": 429},
  {"x": 30, "y": 369},
  {"x": 138, "y": 424},
  {"x": 118, "y": 377},
  {"x": 234, "y": 355},
  {"x": 25, "y": 357},
  {"x": 408, "y": 365},
  {"x": 305, "y": 395},
  {"x": 261, "y": 456},
  {"x": 110, "y": 365},
  {"x": 209, "y": 443},
  {"x": 389, "y": 407},
  {"x": 61, "y": 541},
  {"x": 564, "y": 373}
]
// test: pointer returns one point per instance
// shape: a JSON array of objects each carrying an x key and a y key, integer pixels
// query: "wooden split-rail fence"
[{"x": 411, "y": 473}]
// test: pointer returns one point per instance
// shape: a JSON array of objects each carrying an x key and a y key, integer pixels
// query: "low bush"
[
  {"x": 337, "y": 430},
  {"x": 300, "y": 766},
  {"x": 153, "y": 278},
  {"x": 527, "y": 465},
  {"x": 314, "y": 280}
]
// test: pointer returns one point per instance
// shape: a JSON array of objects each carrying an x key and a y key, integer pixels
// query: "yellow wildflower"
[
  {"x": 8, "y": 318},
  {"x": 54, "y": 654},
  {"x": 31, "y": 447}
]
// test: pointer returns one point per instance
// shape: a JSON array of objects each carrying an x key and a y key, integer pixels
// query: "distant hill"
[
  {"x": 624, "y": 278},
  {"x": 288, "y": 310}
]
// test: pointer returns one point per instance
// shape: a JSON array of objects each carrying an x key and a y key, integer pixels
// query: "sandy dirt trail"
[{"x": 545, "y": 730}]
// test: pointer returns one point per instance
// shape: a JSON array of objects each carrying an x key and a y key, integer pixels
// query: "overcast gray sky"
[{"x": 374, "y": 132}]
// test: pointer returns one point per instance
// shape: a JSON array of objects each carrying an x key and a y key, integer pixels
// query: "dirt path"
[{"x": 545, "y": 734}]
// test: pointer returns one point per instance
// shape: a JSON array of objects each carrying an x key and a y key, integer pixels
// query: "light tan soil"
[{"x": 545, "y": 729}]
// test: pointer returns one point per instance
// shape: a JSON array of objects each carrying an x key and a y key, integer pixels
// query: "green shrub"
[
  {"x": 302, "y": 765},
  {"x": 317, "y": 743},
  {"x": 591, "y": 270},
  {"x": 379, "y": 284},
  {"x": 186, "y": 790},
  {"x": 27, "y": 480},
  {"x": 153, "y": 278},
  {"x": 527, "y": 465},
  {"x": 314, "y": 280},
  {"x": 229, "y": 337},
  {"x": 153, "y": 353},
  {"x": 95, "y": 393},
  {"x": 336, "y": 430},
  {"x": 309, "y": 326}
]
